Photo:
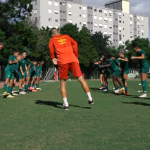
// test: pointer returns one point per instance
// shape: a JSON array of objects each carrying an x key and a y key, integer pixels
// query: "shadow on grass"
[
  {"x": 136, "y": 103},
  {"x": 56, "y": 104}
]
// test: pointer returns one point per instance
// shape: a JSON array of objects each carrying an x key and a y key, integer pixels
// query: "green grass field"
[{"x": 36, "y": 121}]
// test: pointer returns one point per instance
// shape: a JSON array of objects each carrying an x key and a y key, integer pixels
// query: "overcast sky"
[{"x": 141, "y": 7}]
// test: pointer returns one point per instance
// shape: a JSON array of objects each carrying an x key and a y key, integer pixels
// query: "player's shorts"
[
  {"x": 20, "y": 75},
  {"x": 144, "y": 70},
  {"x": 116, "y": 73},
  {"x": 73, "y": 67},
  {"x": 38, "y": 73},
  {"x": 9, "y": 75},
  {"x": 33, "y": 74},
  {"x": 125, "y": 72}
]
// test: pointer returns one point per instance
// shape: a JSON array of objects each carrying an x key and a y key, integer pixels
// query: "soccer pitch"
[{"x": 36, "y": 121}]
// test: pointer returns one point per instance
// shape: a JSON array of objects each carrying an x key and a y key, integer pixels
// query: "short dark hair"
[
  {"x": 24, "y": 52},
  {"x": 135, "y": 45},
  {"x": 51, "y": 31},
  {"x": 15, "y": 51}
]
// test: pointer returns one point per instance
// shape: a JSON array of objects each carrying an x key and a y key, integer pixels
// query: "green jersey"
[
  {"x": 12, "y": 58},
  {"x": 39, "y": 69},
  {"x": 143, "y": 62},
  {"x": 14, "y": 67},
  {"x": 113, "y": 65},
  {"x": 124, "y": 64},
  {"x": 22, "y": 63},
  {"x": 31, "y": 66},
  {"x": 116, "y": 61}
]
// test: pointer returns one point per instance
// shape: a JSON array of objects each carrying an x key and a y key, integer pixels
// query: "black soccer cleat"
[
  {"x": 91, "y": 102},
  {"x": 66, "y": 108}
]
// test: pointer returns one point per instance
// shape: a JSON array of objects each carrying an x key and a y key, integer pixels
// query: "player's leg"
[
  {"x": 75, "y": 69},
  {"x": 37, "y": 81},
  {"x": 143, "y": 83},
  {"x": 101, "y": 80},
  {"x": 124, "y": 80},
  {"x": 10, "y": 87},
  {"x": 27, "y": 80},
  {"x": 63, "y": 73},
  {"x": 106, "y": 83},
  {"x": 7, "y": 78}
]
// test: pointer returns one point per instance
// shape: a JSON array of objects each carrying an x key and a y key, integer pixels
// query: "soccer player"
[
  {"x": 115, "y": 71},
  {"x": 124, "y": 70},
  {"x": 1, "y": 45},
  {"x": 22, "y": 72},
  {"x": 67, "y": 59},
  {"x": 144, "y": 67},
  {"x": 101, "y": 77},
  {"x": 32, "y": 67},
  {"x": 38, "y": 72},
  {"x": 8, "y": 74}
]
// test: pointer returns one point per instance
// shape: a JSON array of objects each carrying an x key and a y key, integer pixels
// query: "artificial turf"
[{"x": 36, "y": 121}]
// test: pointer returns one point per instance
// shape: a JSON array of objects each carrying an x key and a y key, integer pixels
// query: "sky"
[{"x": 141, "y": 7}]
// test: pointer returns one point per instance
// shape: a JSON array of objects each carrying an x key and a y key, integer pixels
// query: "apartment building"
[{"x": 113, "y": 20}]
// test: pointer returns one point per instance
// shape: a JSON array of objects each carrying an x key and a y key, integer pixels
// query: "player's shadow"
[
  {"x": 56, "y": 104},
  {"x": 136, "y": 103}
]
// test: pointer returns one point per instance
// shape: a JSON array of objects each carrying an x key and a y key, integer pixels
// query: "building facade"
[{"x": 115, "y": 21}]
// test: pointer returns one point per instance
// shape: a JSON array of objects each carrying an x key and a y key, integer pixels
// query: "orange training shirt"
[{"x": 65, "y": 48}]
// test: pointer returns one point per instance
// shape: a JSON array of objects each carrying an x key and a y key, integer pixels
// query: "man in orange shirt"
[{"x": 67, "y": 59}]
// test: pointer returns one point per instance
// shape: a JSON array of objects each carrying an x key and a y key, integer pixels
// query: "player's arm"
[
  {"x": 125, "y": 59},
  {"x": 51, "y": 51},
  {"x": 104, "y": 66},
  {"x": 12, "y": 62},
  {"x": 20, "y": 68},
  {"x": 138, "y": 57},
  {"x": 74, "y": 46}
]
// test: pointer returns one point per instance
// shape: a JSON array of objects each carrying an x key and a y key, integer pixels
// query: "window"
[
  {"x": 142, "y": 31},
  {"x": 56, "y": 20},
  {"x": 56, "y": 4},
  {"x": 95, "y": 17},
  {"x": 84, "y": 8},
  {"x": 105, "y": 11},
  {"x": 49, "y": 2},
  {"x": 69, "y": 5},
  {"x": 105, "y": 26},
  {"x": 79, "y": 7},
  {"x": 70, "y": 13},
  {"x": 119, "y": 21},
  {"x": 100, "y": 25},
  {"x": 100, "y": 18},
  {"x": 105, "y": 33},
  {"x": 70, "y": 21},
  {"x": 84, "y": 23},
  {"x": 64, "y": 19},
  {"x": 80, "y": 15},
  {"x": 64, "y": 11},
  {"x": 120, "y": 28},
  {"x": 49, "y": 11},
  {"x": 100, "y": 11},
  {"x": 56, "y": 12},
  {"x": 49, "y": 19},
  {"x": 131, "y": 36},
  {"x": 61, "y": 11},
  {"x": 110, "y": 27},
  {"x": 60, "y": 19},
  {"x": 105, "y": 19},
  {"x": 95, "y": 25},
  {"x": 110, "y": 12},
  {"x": 35, "y": 11},
  {"x": 84, "y": 15},
  {"x": 95, "y": 10},
  {"x": 130, "y": 22}
]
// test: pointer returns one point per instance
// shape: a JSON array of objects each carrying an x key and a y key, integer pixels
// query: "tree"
[
  {"x": 71, "y": 30},
  {"x": 100, "y": 42},
  {"x": 87, "y": 53}
]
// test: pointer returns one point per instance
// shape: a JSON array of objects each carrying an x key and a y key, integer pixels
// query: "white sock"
[
  {"x": 89, "y": 96},
  {"x": 65, "y": 101}
]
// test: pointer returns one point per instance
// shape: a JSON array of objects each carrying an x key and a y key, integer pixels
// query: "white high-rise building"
[{"x": 114, "y": 19}]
